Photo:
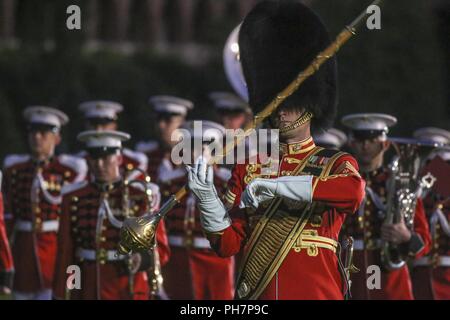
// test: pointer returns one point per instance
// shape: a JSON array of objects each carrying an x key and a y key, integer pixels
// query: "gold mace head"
[{"x": 138, "y": 234}]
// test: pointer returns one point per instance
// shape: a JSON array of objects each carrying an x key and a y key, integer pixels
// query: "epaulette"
[
  {"x": 71, "y": 187},
  {"x": 147, "y": 146},
  {"x": 14, "y": 159},
  {"x": 139, "y": 157},
  {"x": 75, "y": 163}
]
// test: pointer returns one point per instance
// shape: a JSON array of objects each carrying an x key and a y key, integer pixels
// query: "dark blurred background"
[{"x": 128, "y": 50}]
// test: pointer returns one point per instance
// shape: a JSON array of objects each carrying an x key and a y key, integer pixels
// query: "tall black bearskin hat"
[{"x": 277, "y": 40}]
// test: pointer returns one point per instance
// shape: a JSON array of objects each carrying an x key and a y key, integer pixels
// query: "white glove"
[
  {"x": 298, "y": 188},
  {"x": 156, "y": 196},
  {"x": 213, "y": 215}
]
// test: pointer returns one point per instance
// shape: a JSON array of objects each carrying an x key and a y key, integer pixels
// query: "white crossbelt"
[
  {"x": 46, "y": 226},
  {"x": 358, "y": 244},
  {"x": 443, "y": 261},
  {"x": 92, "y": 255},
  {"x": 197, "y": 242}
]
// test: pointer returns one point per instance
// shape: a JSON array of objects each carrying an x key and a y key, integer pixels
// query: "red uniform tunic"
[
  {"x": 365, "y": 228},
  {"x": 33, "y": 202},
  {"x": 6, "y": 261},
  {"x": 304, "y": 274},
  {"x": 440, "y": 256},
  {"x": 90, "y": 241},
  {"x": 431, "y": 274},
  {"x": 131, "y": 160},
  {"x": 194, "y": 270}
]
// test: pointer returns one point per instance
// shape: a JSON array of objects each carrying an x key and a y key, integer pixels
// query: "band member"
[
  {"x": 92, "y": 214},
  {"x": 331, "y": 138},
  {"x": 231, "y": 110},
  {"x": 368, "y": 140},
  {"x": 203, "y": 275},
  {"x": 32, "y": 187},
  {"x": 170, "y": 114},
  {"x": 433, "y": 271},
  {"x": 102, "y": 115},
  {"x": 6, "y": 261},
  {"x": 285, "y": 217}
]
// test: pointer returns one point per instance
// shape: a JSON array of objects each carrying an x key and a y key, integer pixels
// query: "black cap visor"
[
  {"x": 41, "y": 127},
  {"x": 100, "y": 152}
]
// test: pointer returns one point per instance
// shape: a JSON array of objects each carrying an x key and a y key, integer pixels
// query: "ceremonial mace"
[{"x": 138, "y": 233}]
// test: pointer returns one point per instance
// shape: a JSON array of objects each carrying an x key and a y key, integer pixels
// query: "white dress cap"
[
  {"x": 228, "y": 101},
  {"x": 369, "y": 121},
  {"x": 433, "y": 134},
  {"x": 332, "y": 137},
  {"x": 103, "y": 139},
  {"x": 101, "y": 109},
  {"x": 205, "y": 130},
  {"x": 170, "y": 104},
  {"x": 45, "y": 115}
]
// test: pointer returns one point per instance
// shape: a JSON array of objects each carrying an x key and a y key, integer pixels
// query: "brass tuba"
[
  {"x": 403, "y": 189},
  {"x": 232, "y": 64}
]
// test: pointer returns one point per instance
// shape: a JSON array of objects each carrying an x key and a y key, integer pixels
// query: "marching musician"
[
  {"x": 232, "y": 111},
  {"x": 32, "y": 187},
  {"x": 284, "y": 217},
  {"x": 369, "y": 143},
  {"x": 92, "y": 214},
  {"x": 194, "y": 270},
  {"x": 331, "y": 138},
  {"x": 170, "y": 113},
  {"x": 433, "y": 270},
  {"x": 103, "y": 115},
  {"x": 6, "y": 260}
]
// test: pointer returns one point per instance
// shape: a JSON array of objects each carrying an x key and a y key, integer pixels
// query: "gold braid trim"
[
  {"x": 304, "y": 118},
  {"x": 273, "y": 237}
]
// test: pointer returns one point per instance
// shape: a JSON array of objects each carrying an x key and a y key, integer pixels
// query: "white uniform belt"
[
  {"x": 46, "y": 226},
  {"x": 358, "y": 244},
  {"x": 194, "y": 242},
  {"x": 442, "y": 261},
  {"x": 92, "y": 255}
]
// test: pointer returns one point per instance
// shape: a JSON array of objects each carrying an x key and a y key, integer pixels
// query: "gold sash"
[{"x": 273, "y": 237}]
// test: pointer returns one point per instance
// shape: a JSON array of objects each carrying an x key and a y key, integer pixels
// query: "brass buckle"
[{"x": 101, "y": 255}]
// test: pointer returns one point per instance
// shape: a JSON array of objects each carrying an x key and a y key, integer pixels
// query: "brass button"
[
  {"x": 67, "y": 174},
  {"x": 38, "y": 220},
  {"x": 73, "y": 218}
]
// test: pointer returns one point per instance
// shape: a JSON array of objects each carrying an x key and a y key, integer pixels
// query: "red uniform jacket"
[
  {"x": 302, "y": 275},
  {"x": 365, "y": 227},
  {"x": 81, "y": 231},
  {"x": 431, "y": 274},
  {"x": 6, "y": 261},
  {"x": 194, "y": 270},
  {"x": 33, "y": 203}
]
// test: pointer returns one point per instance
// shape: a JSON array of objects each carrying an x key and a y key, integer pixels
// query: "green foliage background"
[{"x": 399, "y": 69}]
